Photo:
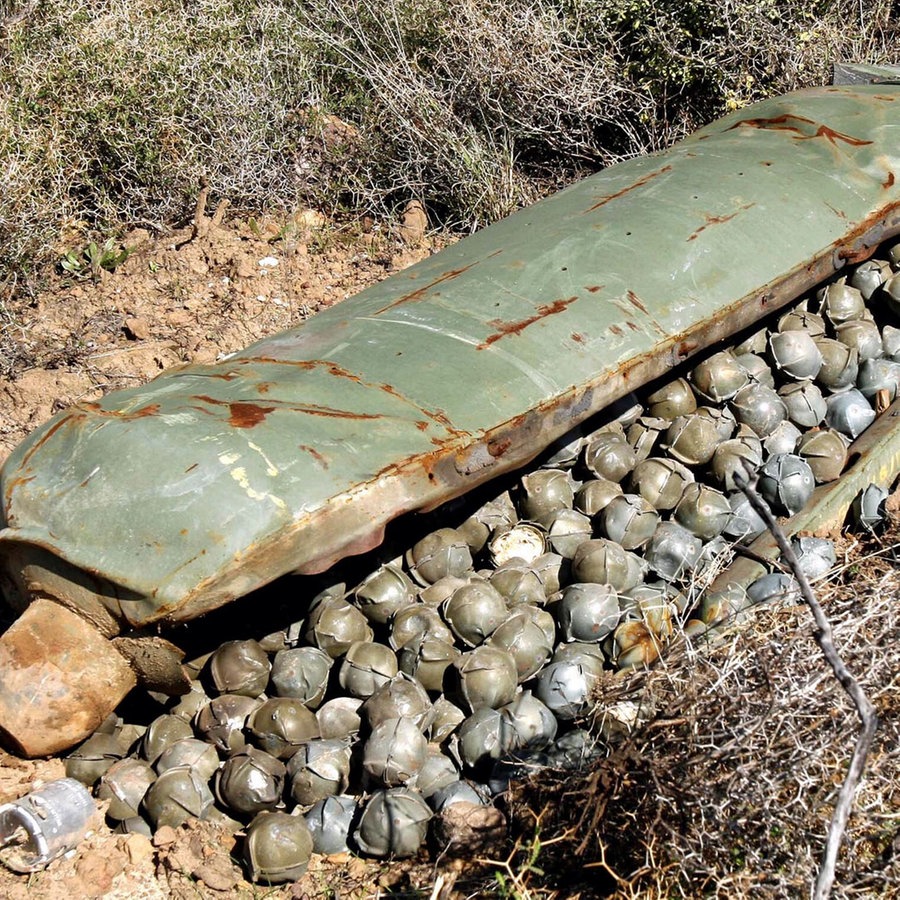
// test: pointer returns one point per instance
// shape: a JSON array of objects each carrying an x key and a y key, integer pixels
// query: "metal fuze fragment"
[{"x": 159, "y": 503}]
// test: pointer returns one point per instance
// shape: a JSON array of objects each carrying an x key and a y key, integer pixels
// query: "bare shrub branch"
[{"x": 824, "y": 636}]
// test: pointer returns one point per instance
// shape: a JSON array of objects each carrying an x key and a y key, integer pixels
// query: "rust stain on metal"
[
  {"x": 889, "y": 181},
  {"x": 718, "y": 220},
  {"x": 420, "y": 293},
  {"x": 244, "y": 414},
  {"x": 19, "y": 481},
  {"x": 616, "y": 330},
  {"x": 150, "y": 410},
  {"x": 13, "y": 485},
  {"x": 222, "y": 376},
  {"x": 578, "y": 337},
  {"x": 507, "y": 328},
  {"x": 65, "y": 420},
  {"x": 437, "y": 417},
  {"x": 786, "y": 123},
  {"x": 341, "y": 372},
  {"x": 870, "y": 230},
  {"x": 273, "y": 361},
  {"x": 316, "y": 455},
  {"x": 498, "y": 448},
  {"x": 637, "y": 303},
  {"x": 305, "y": 364},
  {"x": 263, "y": 387},
  {"x": 441, "y": 418},
  {"x": 333, "y": 368},
  {"x": 632, "y": 187},
  {"x": 594, "y": 288},
  {"x": 247, "y": 415}
]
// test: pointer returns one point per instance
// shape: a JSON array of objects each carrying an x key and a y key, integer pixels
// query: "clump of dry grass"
[
  {"x": 729, "y": 787},
  {"x": 111, "y": 113}
]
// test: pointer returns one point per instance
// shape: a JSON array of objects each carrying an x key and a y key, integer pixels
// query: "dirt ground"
[{"x": 191, "y": 295}]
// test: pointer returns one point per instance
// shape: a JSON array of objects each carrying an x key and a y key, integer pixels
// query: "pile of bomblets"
[{"x": 475, "y": 655}]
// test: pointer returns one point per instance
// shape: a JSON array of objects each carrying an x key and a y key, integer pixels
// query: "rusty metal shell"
[
  {"x": 162, "y": 502},
  {"x": 253, "y": 467}
]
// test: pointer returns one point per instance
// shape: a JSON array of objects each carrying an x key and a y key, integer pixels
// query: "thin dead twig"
[{"x": 824, "y": 636}]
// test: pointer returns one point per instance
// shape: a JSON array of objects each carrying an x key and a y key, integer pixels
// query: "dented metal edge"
[{"x": 353, "y": 523}]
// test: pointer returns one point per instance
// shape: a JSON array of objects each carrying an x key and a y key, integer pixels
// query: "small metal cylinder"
[{"x": 45, "y": 824}]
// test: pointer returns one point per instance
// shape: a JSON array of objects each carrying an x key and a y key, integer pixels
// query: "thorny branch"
[{"x": 825, "y": 639}]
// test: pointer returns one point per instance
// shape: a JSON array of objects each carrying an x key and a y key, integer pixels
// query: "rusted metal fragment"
[
  {"x": 59, "y": 678},
  {"x": 801, "y": 128},
  {"x": 180, "y": 495},
  {"x": 504, "y": 329}
]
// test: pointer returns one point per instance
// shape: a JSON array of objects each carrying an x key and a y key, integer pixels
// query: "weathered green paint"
[
  {"x": 864, "y": 73},
  {"x": 211, "y": 480}
]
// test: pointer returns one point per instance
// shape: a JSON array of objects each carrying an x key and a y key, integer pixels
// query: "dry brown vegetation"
[{"x": 111, "y": 113}]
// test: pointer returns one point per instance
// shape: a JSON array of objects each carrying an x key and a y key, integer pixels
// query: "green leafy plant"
[{"x": 95, "y": 259}]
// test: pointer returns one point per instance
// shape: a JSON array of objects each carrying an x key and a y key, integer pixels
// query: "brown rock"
[
  {"x": 137, "y": 329},
  {"x": 96, "y": 870},
  {"x": 243, "y": 266},
  {"x": 218, "y": 874},
  {"x": 413, "y": 224},
  {"x": 198, "y": 266},
  {"x": 308, "y": 219},
  {"x": 137, "y": 239},
  {"x": 139, "y": 848},
  {"x": 165, "y": 836}
]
